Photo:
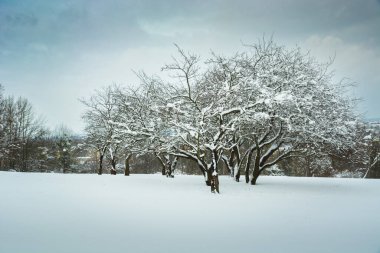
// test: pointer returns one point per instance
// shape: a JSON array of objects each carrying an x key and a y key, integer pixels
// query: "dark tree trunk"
[
  {"x": 215, "y": 183},
  {"x": 248, "y": 165},
  {"x": 127, "y": 167},
  {"x": 254, "y": 179},
  {"x": 171, "y": 167},
  {"x": 231, "y": 163},
  {"x": 113, "y": 164},
  {"x": 24, "y": 157},
  {"x": 208, "y": 180},
  {"x": 212, "y": 172},
  {"x": 256, "y": 173},
  {"x": 206, "y": 173},
  {"x": 163, "y": 171},
  {"x": 237, "y": 177},
  {"x": 307, "y": 167},
  {"x": 163, "y": 166},
  {"x": 168, "y": 171},
  {"x": 256, "y": 169},
  {"x": 100, "y": 171}
]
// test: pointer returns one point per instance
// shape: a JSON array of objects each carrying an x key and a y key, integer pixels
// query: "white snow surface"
[{"x": 150, "y": 213}]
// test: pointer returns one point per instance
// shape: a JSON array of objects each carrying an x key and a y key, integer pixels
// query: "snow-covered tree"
[
  {"x": 371, "y": 144},
  {"x": 101, "y": 112},
  {"x": 250, "y": 110},
  {"x": 276, "y": 102}
]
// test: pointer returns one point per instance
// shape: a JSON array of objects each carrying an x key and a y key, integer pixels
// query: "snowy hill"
[{"x": 149, "y": 213}]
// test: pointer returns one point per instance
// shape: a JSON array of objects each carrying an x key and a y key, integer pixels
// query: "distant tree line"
[
  {"x": 20, "y": 133},
  {"x": 27, "y": 145}
]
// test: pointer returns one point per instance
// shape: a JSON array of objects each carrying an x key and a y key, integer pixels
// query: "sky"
[{"x": 56, "y": 52}]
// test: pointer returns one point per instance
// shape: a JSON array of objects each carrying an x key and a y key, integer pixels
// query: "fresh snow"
[{"x": 150, "y": 213}]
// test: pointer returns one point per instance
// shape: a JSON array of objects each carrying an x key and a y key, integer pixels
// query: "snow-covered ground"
[{"x": 56, "y": 213}]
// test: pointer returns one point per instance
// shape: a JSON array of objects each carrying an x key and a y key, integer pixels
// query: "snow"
[
  {"x": 283, "y": 97},
  {"x": 151, "y": 213},
  {"x": 261, "y": 116}
]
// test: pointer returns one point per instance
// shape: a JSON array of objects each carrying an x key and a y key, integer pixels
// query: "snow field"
[{"x": 150, "y": 213}]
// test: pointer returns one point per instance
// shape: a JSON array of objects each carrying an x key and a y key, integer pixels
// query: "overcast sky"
[{"x": 54, "y": 52}]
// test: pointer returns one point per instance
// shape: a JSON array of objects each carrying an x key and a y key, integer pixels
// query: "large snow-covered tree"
[
  {"x": 268, "y": 101},
  {"x": 250, "y": 110},
  {"x": 297, "y": 106}
]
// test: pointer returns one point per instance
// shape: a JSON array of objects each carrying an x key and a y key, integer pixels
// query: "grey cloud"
[{"x": 88, "y": 43}]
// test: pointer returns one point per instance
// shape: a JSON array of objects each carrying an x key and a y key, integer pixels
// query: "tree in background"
[
  {"x": 101, "y": 112},
  {"x": 64, "y": 147},
  {"x": 2, "y": 127},
  {"x": 373, "y": 151},
  {"x": 20, "y": 130}
]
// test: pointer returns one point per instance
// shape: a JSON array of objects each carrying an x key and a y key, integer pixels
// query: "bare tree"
[{"x": 19, "y": 129}]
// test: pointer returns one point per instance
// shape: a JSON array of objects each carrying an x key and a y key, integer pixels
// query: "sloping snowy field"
[{"x": 56, "y": 213}]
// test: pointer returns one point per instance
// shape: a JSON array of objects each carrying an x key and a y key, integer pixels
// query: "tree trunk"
[
  {"x": 171, "y": 167},
  {"x": 307, "y": 167},
  {"x": 256, "y": 169},
  {"x": 248, "y": 165},
  {"x": 231, "y": 163},
  {"x": 209, "y": 180},
  {"x": 168, "y": 167},
  {"x": 254, "y": 179},
  {"x": 163, "y": 166},
  {"x": 237, "y": 164},
  {"x": 207, "y": 176},
  {"x": 163, "y": 171},
  {"x": 213, "y": 172},
  {"x": 24, "y": 157},
  {"x": 127, "y": 170},
  {"x": 113, "y": 169},
  {"x": 215, "y": 183},
  {"x": 100, "y": 171},
  {"x": 237, "y": 177}
]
